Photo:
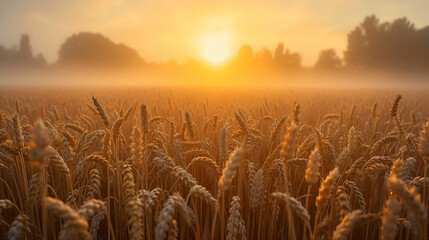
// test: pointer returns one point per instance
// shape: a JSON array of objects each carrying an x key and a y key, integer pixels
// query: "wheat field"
[{"x": 173, "y": 163}]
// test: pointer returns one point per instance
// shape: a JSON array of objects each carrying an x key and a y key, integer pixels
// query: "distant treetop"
[
  {"x": 388, "y": 45},
  {"x": 94, "y": 50},
  {"x": 21, "y": 57}
]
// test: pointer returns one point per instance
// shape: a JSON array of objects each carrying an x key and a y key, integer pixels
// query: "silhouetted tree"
[
  {"x": 294, "y": 60},
  {"x": 245, "y": 52},
  {"x": 423, "y": 46},
  {"x": 40, "y": 60},
  {"x": 286, "y": 60},
  {"x": 279, "y": 53},
  {"x": 389, "y": 45},
  {"x": 328, "y": 60},
  {"x": 95, "y": 50},
  {"x": 25, "y": 47},
  {"x": 21, "y": 57},
  {"x": 264, "y": 58},
  {"x": 244, "y": 56}
]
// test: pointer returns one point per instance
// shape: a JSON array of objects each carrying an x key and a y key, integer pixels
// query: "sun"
[{"x": 216, "y": 46}]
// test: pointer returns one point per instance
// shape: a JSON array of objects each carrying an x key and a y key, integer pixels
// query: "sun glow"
[
  {"x": 216, "y": 47},
  {"x": 216, "y": 39}
]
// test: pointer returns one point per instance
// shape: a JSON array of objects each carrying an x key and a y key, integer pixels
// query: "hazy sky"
[{"x": 176, "y": 29}]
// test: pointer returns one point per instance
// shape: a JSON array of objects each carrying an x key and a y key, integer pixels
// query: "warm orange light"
[
  {"x": 216, "y": 39},
  {"x": 216, "y": 47}
]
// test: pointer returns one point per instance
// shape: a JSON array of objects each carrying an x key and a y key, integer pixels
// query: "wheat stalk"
[
  {"x": 230, "y": 170},
  {"x": 294, "y": 204},
  {"x": 74, "y": 226},
  {"x": 325, "y": 190},
  {"x": 408, "y": 196},
  {"x": 389, "y": 219},
  {"x": 234, "y": 220},
  {"x": 166, "y": 215},
  {"x": 101, "y": 112},
  {"x": 201, "y": 192},
  {"x": 19, "y": 228},
  {"x": 256, "y": 189},
  {"x": 347, "y": 224}
]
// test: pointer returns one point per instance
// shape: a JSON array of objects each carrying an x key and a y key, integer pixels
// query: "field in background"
[{"x": 222, "y": 163}]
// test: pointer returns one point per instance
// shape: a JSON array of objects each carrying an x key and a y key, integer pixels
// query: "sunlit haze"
[
  {"x": 180, "y": 30},
  {"x": 216, "y": 39}
]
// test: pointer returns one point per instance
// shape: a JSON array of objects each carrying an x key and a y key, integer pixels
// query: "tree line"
[{"x": 372, "y": 45}]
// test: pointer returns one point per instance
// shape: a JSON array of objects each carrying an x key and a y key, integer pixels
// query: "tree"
[
  {"x": 264, "y": 58},
  {"x": 395, "y": 45},
  {"x": 355, "y": 47},
  {"x": 293, "y": 60},
  {"x": 278, "y": 53},
  {"x": 245, "y": 52},
  {"x": 25, "y": 47},
  {"x": 328, "y": 60},
  {"x": 245, "y": 55},
  {"x": 21, "y": 57},
  {"x": 95, "y": 50},
  {"x": 285, "y": 60}
]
